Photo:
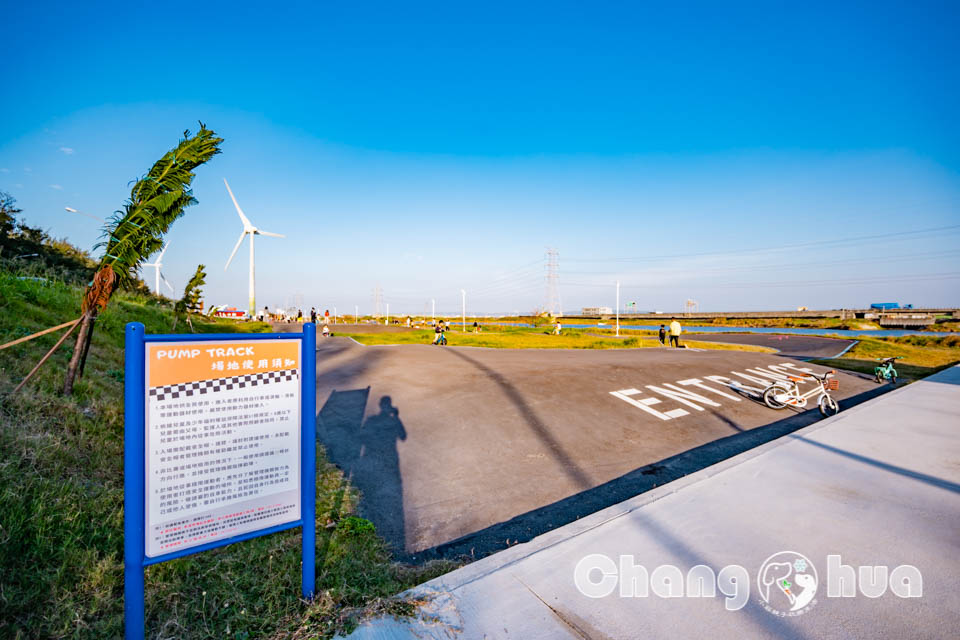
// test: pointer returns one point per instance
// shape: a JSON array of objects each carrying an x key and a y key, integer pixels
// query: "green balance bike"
[{"x": 885, "y": 371}]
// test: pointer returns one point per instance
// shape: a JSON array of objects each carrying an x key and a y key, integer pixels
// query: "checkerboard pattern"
[{"x": 188, "y": 389}]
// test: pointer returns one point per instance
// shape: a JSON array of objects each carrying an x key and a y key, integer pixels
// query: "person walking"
[
  {"x": 326, "y": 317},
  {"x": 663, "y": 336},
  {"x": 313, "y": 315},
  {"x": 300, "y": 316},
  {"x": 675, "y": 331}
]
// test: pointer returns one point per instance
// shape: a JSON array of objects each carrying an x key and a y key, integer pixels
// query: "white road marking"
[
  {"x": 644, "y": 403},
  {"x": 757, "y": 375},
  {"x": 696, "y": 382},
  {"x": 682, "y": 396}
]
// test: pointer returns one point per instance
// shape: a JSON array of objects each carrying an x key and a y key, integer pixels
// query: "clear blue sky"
[{"x": 428, "y": 147}]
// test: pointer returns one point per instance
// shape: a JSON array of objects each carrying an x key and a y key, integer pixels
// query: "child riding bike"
[{"x": 438, "y": 330}]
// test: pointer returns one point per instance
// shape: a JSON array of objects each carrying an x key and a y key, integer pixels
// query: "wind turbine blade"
[
  {"x": 169, "y": 286},
  {"x": 246, "y": 223},
  {"x": 163, "y": 251},
  {"x": 272, "y": 235},
  {"x": 229, "y": 260}
]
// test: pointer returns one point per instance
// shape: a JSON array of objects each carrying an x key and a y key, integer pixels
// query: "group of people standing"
[
  {"x": 674, "y": 332},
  {"x": 300, "y": 319}
]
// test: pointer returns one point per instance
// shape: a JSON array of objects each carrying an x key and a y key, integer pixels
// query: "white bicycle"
[{"x": 786, "y": 393}]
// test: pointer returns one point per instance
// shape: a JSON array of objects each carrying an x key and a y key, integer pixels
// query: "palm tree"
[
  {"x": 136, "y": 231},
  {"x": 190, "y": 302}
]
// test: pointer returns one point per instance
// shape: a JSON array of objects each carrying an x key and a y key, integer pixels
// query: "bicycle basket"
[{"x": 833, "y": 384}]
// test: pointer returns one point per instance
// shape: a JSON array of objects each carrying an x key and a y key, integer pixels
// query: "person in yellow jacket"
[{"x": 675, "y": 331}]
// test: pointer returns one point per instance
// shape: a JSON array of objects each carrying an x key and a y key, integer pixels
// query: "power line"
[
  {"x": 801, "y": 265},
  {"x": 803, "y": 245},
  {"x": 795, "y": 283}
]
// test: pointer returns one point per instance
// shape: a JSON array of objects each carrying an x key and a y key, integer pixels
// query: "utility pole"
[
  {"x": 463, "y": 293},
  {"x": 553, "y": 305},
  {"x": 618, "y": 308}
]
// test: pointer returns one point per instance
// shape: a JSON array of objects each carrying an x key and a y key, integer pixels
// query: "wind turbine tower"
[
  {"x": 248, "y": 229},
  {"x": 156, "y": 271}
]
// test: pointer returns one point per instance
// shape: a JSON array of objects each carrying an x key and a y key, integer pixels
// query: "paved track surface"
[
  {"x": 876, "y": 487},
  {"x": 792, "y": 346},
  {"x": 463, "y": 450}
]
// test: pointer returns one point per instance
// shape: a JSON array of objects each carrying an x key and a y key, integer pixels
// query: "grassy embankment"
[
  {"x": 61, "y": 507},
  {"x": 922, "y": 355},
  {"x": 504, "y": 337}
]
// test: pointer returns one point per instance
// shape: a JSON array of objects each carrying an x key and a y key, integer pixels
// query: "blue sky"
[{"x": 745, "y": 155}]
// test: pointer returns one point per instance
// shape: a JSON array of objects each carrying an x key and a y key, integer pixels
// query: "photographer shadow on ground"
[{"x": 365, "y": 448}]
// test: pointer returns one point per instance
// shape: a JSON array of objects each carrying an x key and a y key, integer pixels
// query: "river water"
[{"x": 892, "y": 333}]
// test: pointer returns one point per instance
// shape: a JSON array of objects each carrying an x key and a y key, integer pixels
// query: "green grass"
[
  {"x": 921, "y": 355},
  {"x": 538, "y": 338},
  {"x": 61, "y": 507}
]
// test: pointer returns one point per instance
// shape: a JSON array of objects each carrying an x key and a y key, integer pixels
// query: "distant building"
[
  {"x": 596, "y": 311},
  {"x": 229, "y": 312}
]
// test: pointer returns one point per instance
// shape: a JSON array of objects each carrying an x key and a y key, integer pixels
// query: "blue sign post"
[{"x": 207, "y": 457}]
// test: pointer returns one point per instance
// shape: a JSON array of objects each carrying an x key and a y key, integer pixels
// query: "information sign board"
[
  {"x": 219, "y": 447},
  {"x": 222, "y": 440}
]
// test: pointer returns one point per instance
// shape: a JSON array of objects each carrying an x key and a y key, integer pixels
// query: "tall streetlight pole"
[
  {"x": 618, "y": 308},
  {"x": 433, "y": 312},
  {"x": 388, "y": 313},
  {"x": 334, "y": 314},
  {"x": 356, "y": 314},
  {"x": 463, "y": 294}
]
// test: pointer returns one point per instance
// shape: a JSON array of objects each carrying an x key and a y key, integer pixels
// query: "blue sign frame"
[{"x": 135, "y": 559}]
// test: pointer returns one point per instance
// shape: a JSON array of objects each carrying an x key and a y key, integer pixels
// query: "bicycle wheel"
[
  {"x": 770, "y": 396},
  {"x": 828, "y": 406}
]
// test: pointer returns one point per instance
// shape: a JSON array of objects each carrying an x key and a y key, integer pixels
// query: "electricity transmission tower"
[
  {"x": 691, "y": 306},
  {"x": 554, "y": 305},
  {"x": 377, "y": 302}
]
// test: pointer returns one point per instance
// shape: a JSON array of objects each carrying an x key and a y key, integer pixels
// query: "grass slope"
[
  {"x": 921, "y": 355},
  {"x": 61, "y": 507}
]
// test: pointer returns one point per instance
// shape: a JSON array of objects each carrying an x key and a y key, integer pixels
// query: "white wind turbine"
[
  {"x": 156, "y": 270},
  {"x": 248, "y": 228}
]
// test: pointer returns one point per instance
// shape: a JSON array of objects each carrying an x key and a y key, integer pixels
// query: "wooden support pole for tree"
[
  {"x": 38, "y": 334},
  {"x": 46, "y": 357}
]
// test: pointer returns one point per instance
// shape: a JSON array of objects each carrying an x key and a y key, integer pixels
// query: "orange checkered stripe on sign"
[
  {"x": 200, "y": 387},
  {"x": 183, "y": 362}
]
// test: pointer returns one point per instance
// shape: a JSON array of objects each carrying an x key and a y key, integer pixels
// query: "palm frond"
[{"x": 156, "y": 201}]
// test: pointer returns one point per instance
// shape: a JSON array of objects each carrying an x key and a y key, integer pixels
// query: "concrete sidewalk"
[{"x": 878, "y": 485}]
